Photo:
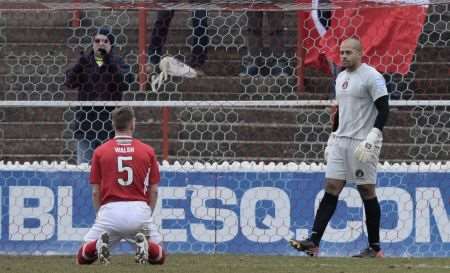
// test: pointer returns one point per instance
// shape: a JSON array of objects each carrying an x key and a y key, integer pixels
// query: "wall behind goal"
[{"x": 49, "y": 211}]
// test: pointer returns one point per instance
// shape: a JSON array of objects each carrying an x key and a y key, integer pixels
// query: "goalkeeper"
[{"x": 353, "y": 148}]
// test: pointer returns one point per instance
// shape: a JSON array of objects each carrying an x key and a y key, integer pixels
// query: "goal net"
[{"x": 239, "y": 125}]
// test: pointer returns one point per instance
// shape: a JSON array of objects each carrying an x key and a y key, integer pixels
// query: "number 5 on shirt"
[{"x": 121, "y": 167}]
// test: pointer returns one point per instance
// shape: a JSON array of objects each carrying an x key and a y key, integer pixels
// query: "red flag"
[
  {"x": 313, "y": 32},
  {"x": 389, "y": 35}
]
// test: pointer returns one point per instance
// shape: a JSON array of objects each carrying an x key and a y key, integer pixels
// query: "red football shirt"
[{"x": 124, "y": 168}]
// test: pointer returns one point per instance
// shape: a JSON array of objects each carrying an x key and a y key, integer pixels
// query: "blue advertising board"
[{"x": 48, "y": 212}]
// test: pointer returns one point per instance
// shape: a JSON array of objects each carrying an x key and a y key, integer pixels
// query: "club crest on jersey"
[
  {"x": 345, "y": 84},
  {"x": 359, "y": 173}
]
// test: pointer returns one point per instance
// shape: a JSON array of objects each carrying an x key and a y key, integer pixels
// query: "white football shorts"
[
  {"x": 343, "y": 165},
  {"x": 122, "y": 220}
]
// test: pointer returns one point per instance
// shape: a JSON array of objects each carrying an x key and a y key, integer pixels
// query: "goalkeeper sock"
[
  {"x": 156, "y": 254},
  {"x": 373, "y": 212},
  {"x": 324, "y": 212}
]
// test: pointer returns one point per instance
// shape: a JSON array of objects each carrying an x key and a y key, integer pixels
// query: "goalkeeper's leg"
[
  {"x": 324, "y": 213},
  {"x": 326, "y": 208},
  {"x": 336, "y": 173},
  {"x": 365, "y": 176},
  {"x": 373, "y": 215}
]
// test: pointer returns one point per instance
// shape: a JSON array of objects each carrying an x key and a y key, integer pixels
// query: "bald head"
[
  {"x": 351, "y": 53},
  {"x": 352, "y": 43}
]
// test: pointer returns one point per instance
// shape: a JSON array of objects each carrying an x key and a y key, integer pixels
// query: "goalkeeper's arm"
[
  {"x": 369, "y": 149},
  {"x": 382, "y": 105}
]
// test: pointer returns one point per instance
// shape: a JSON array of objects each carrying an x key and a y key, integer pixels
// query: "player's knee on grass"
[{"x": 156, "y": 253}]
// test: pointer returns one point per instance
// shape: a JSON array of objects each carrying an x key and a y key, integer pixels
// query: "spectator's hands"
[{"x": 102, "y": 52}]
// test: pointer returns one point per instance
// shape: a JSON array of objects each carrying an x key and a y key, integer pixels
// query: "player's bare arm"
[
  {"x": 96, "y": 196},
  {"x": 153, "y": 196},
  {"x": 335, "y": 119}
]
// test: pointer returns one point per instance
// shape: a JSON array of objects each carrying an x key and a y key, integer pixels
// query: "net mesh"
[
  {"x": 265, "y": 50},
  {"x": 277, "y": 61},
  {"x": 266, "y": 70},
  {"x": 224, "y": 131}
]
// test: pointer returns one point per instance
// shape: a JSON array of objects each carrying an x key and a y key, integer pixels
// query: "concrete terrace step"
[
  {"x": 50, "y": 48},
  {"x": 88, "y": 19},
  {"x": 130, "y": 36},
  {"x": 285, "y": 84},
  {"x": 57, "y": 115},
  {"x": 128, "y": 18},
  {"x": 432, "y": 69},
  {"x": 214, "y": 131},
  {"x": 424, "y": 55},
  {"x": 407, "y": 117},
  {"x": 46, "y": 146},
  {"x": 226, "y": 84},
  {"x": 225, "y": 63},
  {"x": 429, "y": 53},
  {"x": 61, "y": 130},
  {"x": 238, "y": 149}
]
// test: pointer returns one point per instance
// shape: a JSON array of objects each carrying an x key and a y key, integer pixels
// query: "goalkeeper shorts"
[{"x": 343, "y": 165}]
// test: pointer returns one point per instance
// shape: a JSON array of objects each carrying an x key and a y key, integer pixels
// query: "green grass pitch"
[{"x": 227, "y": 263}]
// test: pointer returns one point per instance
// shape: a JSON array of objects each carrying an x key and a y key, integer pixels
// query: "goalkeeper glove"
[
  {"x": 331, "y": 141},
  {"x": 369, "y": 149}
]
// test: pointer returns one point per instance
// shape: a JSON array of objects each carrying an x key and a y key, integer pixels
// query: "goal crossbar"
[{"x": 252, "y": 103}]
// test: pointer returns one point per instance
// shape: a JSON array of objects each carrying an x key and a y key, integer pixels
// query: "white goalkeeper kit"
[{"x": 353, "y": 150}]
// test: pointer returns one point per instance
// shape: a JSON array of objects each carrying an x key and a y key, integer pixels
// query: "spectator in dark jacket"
[{"x": 99, "y": 76}]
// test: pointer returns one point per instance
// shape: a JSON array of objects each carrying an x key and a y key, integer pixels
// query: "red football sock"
[
  {"x": 156, "y": 254},
  {"x": 87, "y": 253}
]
